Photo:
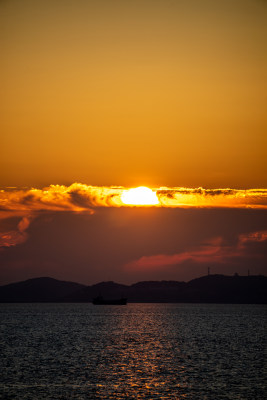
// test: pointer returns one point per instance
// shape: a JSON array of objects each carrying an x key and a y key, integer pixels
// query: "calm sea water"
[{"x": 138, "y": 351}]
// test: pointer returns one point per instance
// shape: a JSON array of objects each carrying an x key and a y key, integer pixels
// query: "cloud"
[
  {"x": 76, "y": 197},
  {"x": 81, "y": 198},
  {"x": 212, "y": 198},
  {"x": 253, "y": 237},
  {"x": 213, "y": 251},
  {"x": 17, "y": 236},
  {"x": 84, "y": 198}
]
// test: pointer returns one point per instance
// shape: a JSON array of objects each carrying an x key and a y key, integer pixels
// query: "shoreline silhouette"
[{"x": 251, "y": 289}]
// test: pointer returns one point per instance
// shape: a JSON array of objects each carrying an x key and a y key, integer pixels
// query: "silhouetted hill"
[
  {"x": 38, "y": 290},
  {"x": 207, "y": 289},
  {"x": 228, "y": 289},
  {"x": 157, "y": 291},
  {"x": 106, "y": 289}
]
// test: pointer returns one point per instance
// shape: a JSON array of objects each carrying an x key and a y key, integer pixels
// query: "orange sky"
[
  {"x": 160, "y": 93},
  {"x": 98, "y": 96}
]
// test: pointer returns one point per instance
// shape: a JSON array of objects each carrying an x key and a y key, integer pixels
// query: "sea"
[{"x": 137, "y": 351}]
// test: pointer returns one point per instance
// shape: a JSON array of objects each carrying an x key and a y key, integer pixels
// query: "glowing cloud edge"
[{"x": 80, "y": 197}]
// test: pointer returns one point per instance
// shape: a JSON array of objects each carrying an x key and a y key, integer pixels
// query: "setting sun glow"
[{"x": 141, "y": 196}]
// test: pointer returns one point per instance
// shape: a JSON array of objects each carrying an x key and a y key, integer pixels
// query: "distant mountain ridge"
[
  {"x": 207, "y": 289},
  {"x": 43, "y": 289}
]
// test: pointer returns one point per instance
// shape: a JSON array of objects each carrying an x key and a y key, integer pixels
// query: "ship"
[{"x": 99, "y": 300}]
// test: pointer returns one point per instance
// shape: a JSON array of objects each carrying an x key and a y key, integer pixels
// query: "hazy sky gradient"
[
  {"x": 129, "y": 245},
  {"x": 169, "y": 94},
  {"x": 133, "y": 92}
]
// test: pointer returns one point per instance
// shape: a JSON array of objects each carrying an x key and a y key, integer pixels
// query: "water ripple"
[{"x": 141, "y": 351}]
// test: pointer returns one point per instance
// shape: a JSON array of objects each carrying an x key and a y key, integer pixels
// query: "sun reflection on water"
[{"x": 142, "y": 351}]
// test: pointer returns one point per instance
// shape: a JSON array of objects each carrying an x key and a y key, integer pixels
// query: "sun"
[{"x": 140, "y": 196}]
